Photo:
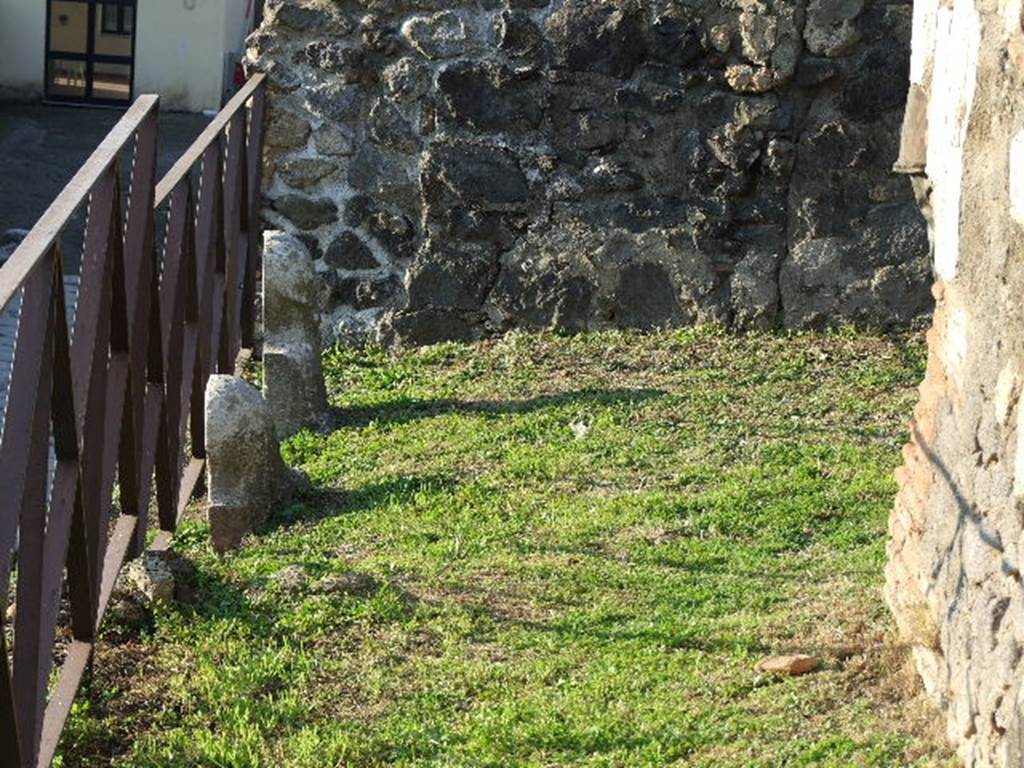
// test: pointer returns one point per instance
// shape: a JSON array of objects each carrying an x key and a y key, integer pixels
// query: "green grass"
[{"x": 547, "y": 551}]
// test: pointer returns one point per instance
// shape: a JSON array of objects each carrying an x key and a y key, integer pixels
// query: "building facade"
[{"x": 105, "y": 52}]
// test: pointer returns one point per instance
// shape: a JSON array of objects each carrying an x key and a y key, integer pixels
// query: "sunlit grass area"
[{"x": 546, "y": 551}]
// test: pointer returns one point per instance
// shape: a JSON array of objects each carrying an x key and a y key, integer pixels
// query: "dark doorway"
[{"x": 90, "y": 51}]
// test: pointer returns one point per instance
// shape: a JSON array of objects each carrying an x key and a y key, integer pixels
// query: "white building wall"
[
  {"x": 184, "y": 49},
  {"x": 178, "y": 52},
  {"x": 238, "y": 23}
]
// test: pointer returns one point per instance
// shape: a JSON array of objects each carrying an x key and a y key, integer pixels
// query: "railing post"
[{"x": 254, "y": 156}]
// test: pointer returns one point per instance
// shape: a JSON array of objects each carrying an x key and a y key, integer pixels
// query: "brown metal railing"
[{"x": 111, "y": 402}]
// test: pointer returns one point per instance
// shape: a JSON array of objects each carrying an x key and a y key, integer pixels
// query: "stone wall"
[
  {"x": 954, "y": 576},
  {"x": 460, "y": 168}
]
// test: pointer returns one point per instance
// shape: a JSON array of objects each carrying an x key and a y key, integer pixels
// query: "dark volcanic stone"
[
  {"x": 518, "y": 35},
  {"x": 343, "y": 289},
  {"x": 433, "y": 325},
  {"x": 877, "y": 83},
  {"x": 835, "y": 145},
  {"x": 602, "y": 37},
  {"x": 347, "y": 251},
  {"x": 481, "y": 176},
  {"x": 472, "y": 226},
  {"x": 449, "y": 278},
  {"x": 304, "y": 18},
  {"x": 640, "y": 213},
  {"x": 360, "y": 293},
  {"x": 376, "y": 293},
  {"x": 596, "y": 131},
  {"x": 611, "y": 176},
  {"x": 390, "y": 129},
  {"x": 375, "y": 171},
  {"x": 813, "y": 70},
  {"x": 358, "y": 210},
  {"x": 392, "y": 230},
  {"x": 544, "y": 298},
  {"x": 646, "y": 298},
  {"x": 676, "y": 41},
  {"x": 350, "y": 64},
  {"x": 489, "y": 97}
]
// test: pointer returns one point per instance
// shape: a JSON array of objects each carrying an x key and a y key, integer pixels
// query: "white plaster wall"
[
  {"x": 22, "y": 40},
  {"x": 179, "y": 54},
  {"x": 181, "y": 48},
  {"x": 238, "y": 23}
]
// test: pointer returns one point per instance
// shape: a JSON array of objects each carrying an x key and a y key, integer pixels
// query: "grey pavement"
[{"x": 41, "y": 147}]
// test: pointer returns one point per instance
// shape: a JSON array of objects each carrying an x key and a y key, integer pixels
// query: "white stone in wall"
[
  {"x": 1017, "y": 178},
  {"x": 957, "y": 46},
  {"x": 1018, "y": 464},
  {"x": 954, "y": 351},
  {"x": 1007, "y": 392}
]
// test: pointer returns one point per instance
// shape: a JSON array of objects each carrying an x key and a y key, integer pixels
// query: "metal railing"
[{"x": 105, "y": 406}]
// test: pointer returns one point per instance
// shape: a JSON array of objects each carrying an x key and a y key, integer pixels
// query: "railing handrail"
[{"x": 194, "y": 153}]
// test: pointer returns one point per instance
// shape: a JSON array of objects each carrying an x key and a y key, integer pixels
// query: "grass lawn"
[{"x": 547, "y": 551}]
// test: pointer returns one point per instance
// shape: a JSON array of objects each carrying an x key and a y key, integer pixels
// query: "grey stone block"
[
  {"x": 293, "y": 379},
  {"x": 246, "y": 477}
]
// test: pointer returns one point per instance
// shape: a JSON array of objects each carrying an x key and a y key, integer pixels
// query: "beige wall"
[
  {"x": 68, "y": 24},
  {"x": 182, "y": 48}
]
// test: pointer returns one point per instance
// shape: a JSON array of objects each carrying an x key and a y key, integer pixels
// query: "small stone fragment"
[
  {"x": 440, "y": 36},
  {"x": 286, "y": 130},
  {"x": 349, "y": 584},
  {"x": 161, "y": 577},
  {"x": 720, "y": 38},
  {"x": 306, "y": 213},
  {"x": 305, "y": 172},
  {"x": 797, "y": 664},
  {"x": 332, "y": 140}
]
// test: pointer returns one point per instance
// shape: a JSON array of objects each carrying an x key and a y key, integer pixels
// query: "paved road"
[{"x": 42, "y": 146}]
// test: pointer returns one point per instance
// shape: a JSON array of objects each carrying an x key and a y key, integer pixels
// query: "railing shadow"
[
  {"x": 323, "y": 503},
  {"x": 405, "y": 410},
  {"x": 966, "y": 515}
]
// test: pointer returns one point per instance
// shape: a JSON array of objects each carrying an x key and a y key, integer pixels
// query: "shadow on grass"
[
  {"x": 323, "y": 503},
  {"x": 407, "y": 409}
]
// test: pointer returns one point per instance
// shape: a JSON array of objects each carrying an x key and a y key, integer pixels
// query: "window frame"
[
  {"x": 120, "y": 24},
  {"x": 90, "y": 58}
]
